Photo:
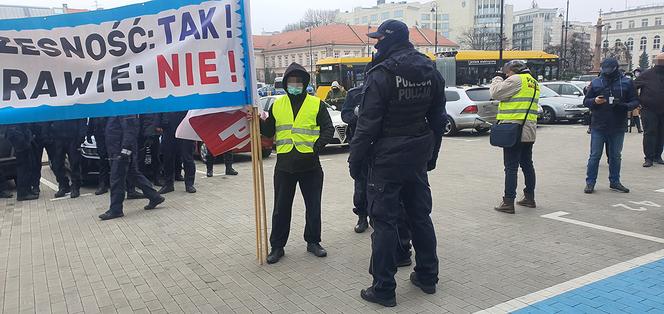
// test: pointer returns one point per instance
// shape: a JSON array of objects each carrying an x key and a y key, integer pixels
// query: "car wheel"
[
  {"x": 267, "y": 152},
  {"x": 482, "y": 130},
  {"x": 449, "y": 128},
  {"x": 548, "y": 115},
  {"x": 204, "y": 152}
]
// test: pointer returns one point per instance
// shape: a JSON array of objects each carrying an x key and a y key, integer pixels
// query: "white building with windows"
[
  {"x": 640, "y": 29},
  {"x": 533, "y": 29}
]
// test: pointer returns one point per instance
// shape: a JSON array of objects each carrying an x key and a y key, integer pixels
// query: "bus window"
[{"x": 327, "y": 74}]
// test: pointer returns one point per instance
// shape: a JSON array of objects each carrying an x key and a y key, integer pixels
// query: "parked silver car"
[
  {"x": 557, "y": 108},
  {"x": 566, "y": 88},
  {"x": 469, "y": 108}
]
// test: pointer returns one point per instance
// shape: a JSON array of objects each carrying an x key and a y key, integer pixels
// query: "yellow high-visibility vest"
[
  {"x": 300, "y": 132},
  {"x": 516, "y": 107}
]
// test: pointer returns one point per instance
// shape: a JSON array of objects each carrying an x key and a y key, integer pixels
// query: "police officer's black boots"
[
  {"x": 190, "y": 189},
  {"x": 26, "y": 197},
  {"x": 275, "y": 255},
  {"x": 154, "y": 203},
  {"x": 167, "y": 188},
  {"x": 102, "y": 188},
  {"x": 316, "y": 249},
  {"x": 134, "y": 195},
  {"x": 528, "y": 201},
  {"x": 230, "y": 171},
  {"x": 370, "y": 295},
  {"x": 362, "y": 224},
  {"x": 5, "y": 194},
  {"x": 507, "y": 206},
  {"x": 75, "y": 191},
  {"x": 62, "y": 191},
  {"x": 426, "y": 289},
  {"x": 210, "y": 169}
]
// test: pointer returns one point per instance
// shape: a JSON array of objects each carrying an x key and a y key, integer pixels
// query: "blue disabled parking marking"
[{"x": 639, "y": 290}]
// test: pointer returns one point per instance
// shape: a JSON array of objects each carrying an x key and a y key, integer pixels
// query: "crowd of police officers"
[{"x": 135, "y": 152}]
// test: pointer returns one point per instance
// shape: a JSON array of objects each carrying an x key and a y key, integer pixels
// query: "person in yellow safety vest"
[
  {"x": 303, "y": 127},
  {"x": 518, "y": 93}
]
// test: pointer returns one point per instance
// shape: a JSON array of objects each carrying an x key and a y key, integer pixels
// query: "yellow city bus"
[{"x": 472, "y": 67}]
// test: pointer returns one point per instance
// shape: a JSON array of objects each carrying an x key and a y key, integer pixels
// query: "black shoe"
[
  {"x": 179, "y": 177},
  {"x": 619, "y": 187},
  {"x": 405, "y": 262},
  {"x": 419, "y": 284},
  {"x": 659, "y": 161},
  {"x": 110, "y": 215},
  {"x": 154, "y": 203},
  {"x": 5, "y": 194},
  {"x": 75, "y": 193},
  {"x": 190, "y": 189},
  {"x": 590, "y": 188},
  {"x": 62, "y": 192},
  {"x": 209, "y": 174},
  {"x": 506, "y": 206},
  {"x": 362, "y": 224},
  {"x": 275, "y": 255},
  {"x": 135, "y": 195},
  {"x": 369, "y": 295},
  {"x": 231, "y": 172},
  {"x": 316, "y": 249},
  {"x": 647, "y": 163},
  {"x": 27, "y": 197},
  {"x": 166, "y": 189},
  {"x": 101, "y": 189}
]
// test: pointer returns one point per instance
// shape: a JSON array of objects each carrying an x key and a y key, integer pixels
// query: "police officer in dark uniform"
[
  {"x": 150, "y": 147},
  {"x": 20, "y": 136},
  {"x": 43, "y": 139},
  {"x": 97, "y": 128},
  {"x": 121, "y": 139},
  {"x": 399, "y": 133},
  {"x": 173, "y": 147},
  {"x": 3, "y": 178},
  {"x": 68, "y": 136}
]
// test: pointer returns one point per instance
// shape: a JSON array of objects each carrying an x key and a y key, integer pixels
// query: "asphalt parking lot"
[{"x": 196, "y": 252}]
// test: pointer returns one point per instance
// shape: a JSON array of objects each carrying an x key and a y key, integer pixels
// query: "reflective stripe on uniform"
[
  {"x": 284, "y": 127},
  {"x": 283, "y": 142},
  {"x": 301, "y": 131},
  {"x": 305, "y": 131},
  {"x": 308, "y": 144},
  {"x": 521, "y": 100}
]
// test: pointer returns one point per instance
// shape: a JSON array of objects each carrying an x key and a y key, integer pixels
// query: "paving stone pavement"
[{"x": 196, "y": 253}]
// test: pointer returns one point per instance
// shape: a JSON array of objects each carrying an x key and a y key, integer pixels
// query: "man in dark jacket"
[
  {"x": 97, "y": 128},
  {"x": 302, "y": 126},
  {"x": 651, "y": 85},
  {"x": 151, "y": 130},
  {"x": 20, "y": 136},
  {"x": 173, "y": 147},
  {"x": 121, "y": 141},
  {"x": 68, "y": 136},
  {"x": 399, "y": 133},
  {"x": 609, "y": 98}
]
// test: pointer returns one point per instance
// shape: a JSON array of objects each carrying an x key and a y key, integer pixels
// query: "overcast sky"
[{"x": 271, "y": 15}]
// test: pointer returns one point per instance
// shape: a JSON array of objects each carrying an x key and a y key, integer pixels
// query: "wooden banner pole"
[{"x": 255, "y": 160}]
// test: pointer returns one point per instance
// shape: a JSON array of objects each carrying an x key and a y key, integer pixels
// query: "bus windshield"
[{"x": 327, "y": 74}]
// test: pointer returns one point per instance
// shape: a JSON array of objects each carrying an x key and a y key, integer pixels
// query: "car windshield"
[
  {"x": 479, "y": 94},
  {"x": 581, "y": 85},
  {"x": 547, "y": 92}
]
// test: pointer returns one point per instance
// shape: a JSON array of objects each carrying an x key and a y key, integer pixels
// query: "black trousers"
[
  {"x": 311, "y": 186},
  {"x": 24, "y": 172},
  {"x": 521, "y": 155},
  {"x": 360, "y": 195},
  {"x": 123, "y": 170},
  {"x": 104, "y": 162},
  {"x": 228, "y": 160},
  {"x": 394, "y": 193},
  {"x": 149, "y": 159},
  {"x": 653, "y": 134},
  {"x": 69, "y": 149},
  {"x": 38, "y": 148},
  {"x": 173, "y": 147}
]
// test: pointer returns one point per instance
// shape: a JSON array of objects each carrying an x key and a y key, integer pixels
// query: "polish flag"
[{"x": 221, "y": 129}]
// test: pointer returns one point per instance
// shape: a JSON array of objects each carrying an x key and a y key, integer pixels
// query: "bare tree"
[
  {"x": 578, "y": 57},
  {"x": 478, "y": 38},
  {"x": 314, "y": 18}
]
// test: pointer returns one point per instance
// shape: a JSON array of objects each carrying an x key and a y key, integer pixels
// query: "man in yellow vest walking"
[
  {"x": 302, "y": 127},
  {"x": 518, "y": 93}
]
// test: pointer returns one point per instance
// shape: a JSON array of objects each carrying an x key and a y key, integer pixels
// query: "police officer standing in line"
[
  {"x": 302, "y": 127},
  {"x": 3, "y": 179},
  {"x": 151, "y": 130},
  {"x": 518, "y": 92},
  {"x": 172, "y": 147},
  {"x": 97, "y": 128},
  {"x": 43, "y": 139},
  {"x": 122, "y": 143},
  {"x": 68, "y": 134},
  {"x": 399, "y": 133},
  {"x": 20, "y": 136}
]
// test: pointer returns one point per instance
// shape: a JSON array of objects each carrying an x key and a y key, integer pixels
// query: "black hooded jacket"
[
  {"x": 294, "y": 161},
  {"x": 651, "y": 85}
]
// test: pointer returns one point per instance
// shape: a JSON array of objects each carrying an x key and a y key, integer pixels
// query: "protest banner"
[{"x": 158, "y": 56}]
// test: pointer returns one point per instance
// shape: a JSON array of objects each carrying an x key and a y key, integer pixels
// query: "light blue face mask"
[{"x": 295, "y": 90}]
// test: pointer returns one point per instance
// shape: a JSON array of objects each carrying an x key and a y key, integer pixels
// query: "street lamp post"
[
  {"x": 368, "y": 42},
  {"x": 434, "y": 10},
  {"x": 500, "y": 50},
  {"x": 311, "y": 51},
  {"x": 565, "y": 43}
]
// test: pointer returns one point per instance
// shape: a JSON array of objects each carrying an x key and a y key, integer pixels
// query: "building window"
[
  {"x": 374, "y": 17},
  {"x": 279, "y": 63},
  {"x": 398, "y": 13},
  {"x": 346, "y": 53},
  {"x": 357, "y": 20},
  {"x": 618, "y": 43},
  {"x": 606, "y": 43},
  {"x": 336, "y": 53},
  {"x": 644, "y": 23},
  {"x": 426, "y": 25},
  {"x": 658, "y": 21},
  {"x": 385, "y": 16},
  {"x": 426, "y": 17},
  {"x": 630, "y": 44},
  {"x": 656, "y": 42},
  {"x": 631, "y": 24},
  {"x": 644, "y": 43},
  {"x": 365, "y": 20},
  {"x": 618, "y": 25}
]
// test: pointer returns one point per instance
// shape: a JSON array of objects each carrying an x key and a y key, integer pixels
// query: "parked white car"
[
  {"x": 566, "y": 88},
  {"x": 340, "y": 128},
  {"x": 469, "y": 108}
]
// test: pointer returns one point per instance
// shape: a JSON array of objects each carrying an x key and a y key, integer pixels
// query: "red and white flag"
[{"x": 221, "y": 129}]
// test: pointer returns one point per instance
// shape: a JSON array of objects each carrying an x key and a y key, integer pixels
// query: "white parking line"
[
  {"x": 558, "y": 216},
  {"x": 49, "y": 184},
  {"x": 524, "y": 301},
  {"x": 660, "y": 190},
  {"x": 69, "y": 197}
]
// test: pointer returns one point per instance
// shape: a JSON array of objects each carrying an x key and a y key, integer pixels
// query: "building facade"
[
  {"x": 638, "y": 29},
  {"x": 274, "y": 53},
  {"x": 533, "y": 28},
  {"x": 17, "y": 11}
]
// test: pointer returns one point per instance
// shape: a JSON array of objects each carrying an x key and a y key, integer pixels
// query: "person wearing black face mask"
[
  {"x": 651, "y": 85},
  {"x": 398, "y": 135},
  {"x": 302, "y": 127},
  {"x": 609, "y": 98}
]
